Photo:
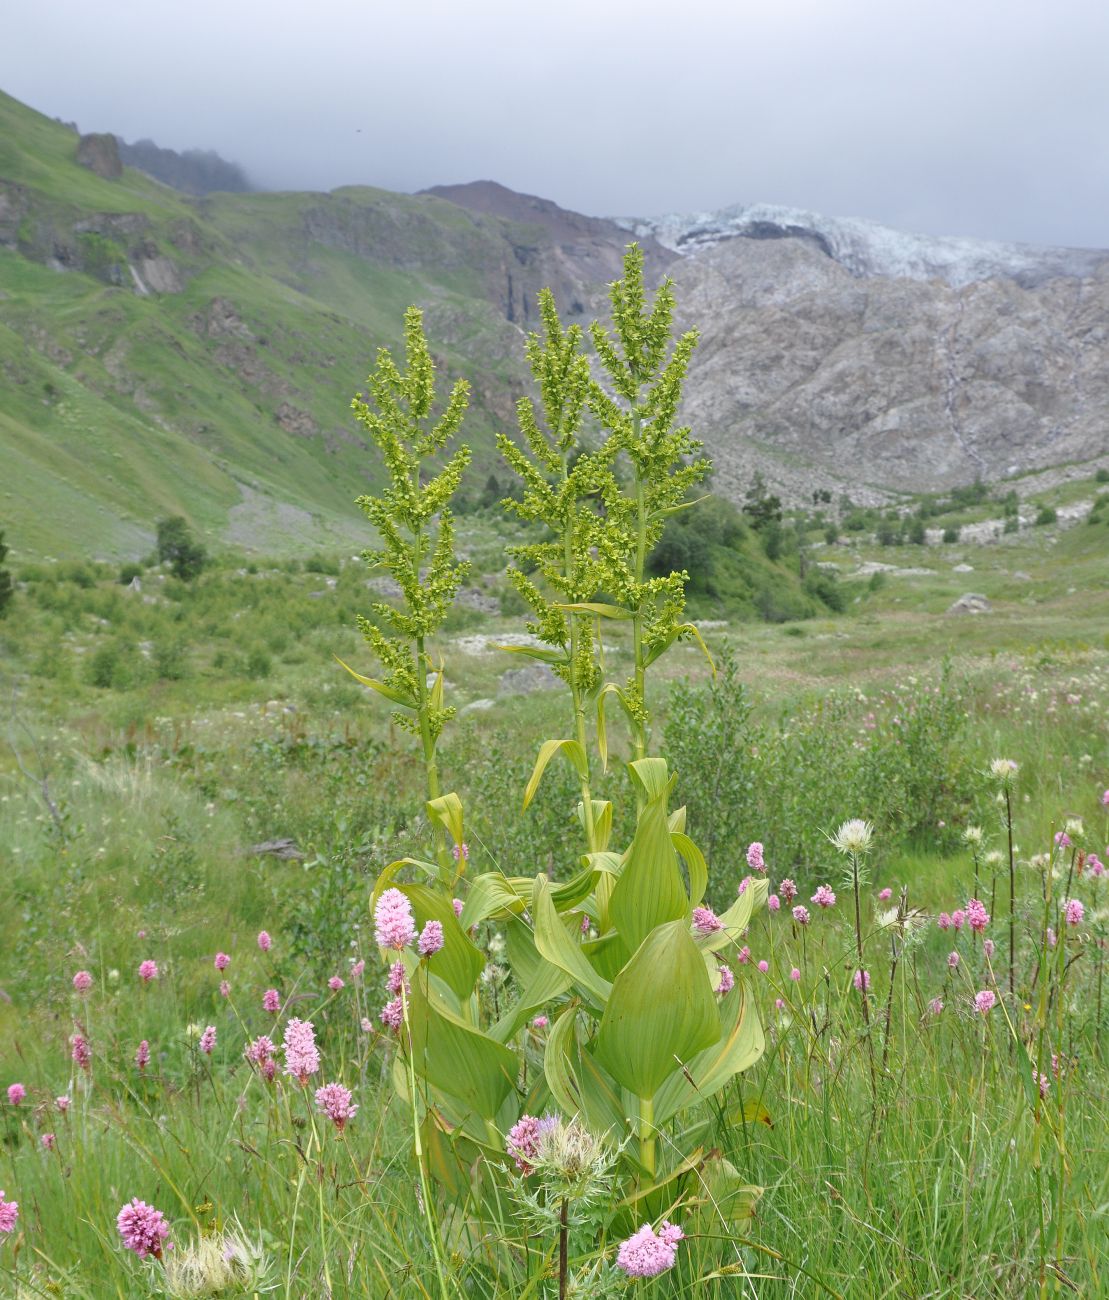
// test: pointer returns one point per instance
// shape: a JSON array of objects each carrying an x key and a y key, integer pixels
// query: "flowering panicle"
[{"x": 393, "y": 923}]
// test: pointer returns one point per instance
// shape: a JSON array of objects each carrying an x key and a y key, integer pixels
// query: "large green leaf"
[
  {"x": 491, "y": 894},
  {"x": 695, "y": 865},
  {"x": 555, "y": 943},
  {"x": 740, "y": 1045},
  {"x": 456, "y": 1057},
  {"x": 650, "y": 890},
  {"x": 660, "y": 1013},
  {"x": 547, "y": 751},
  {"x": 577, "y": 1082},
  {"x": 548, "y": 983},
  {"x": 390, "y": 692},
  {"x": 459, "y": 962},
  {"x": 447, "y": 810}
]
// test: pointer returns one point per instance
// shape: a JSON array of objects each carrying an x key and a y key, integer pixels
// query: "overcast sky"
[{"x": 980, "y": 117}]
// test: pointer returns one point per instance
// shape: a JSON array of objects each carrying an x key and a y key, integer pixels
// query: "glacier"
[{"x": 866, "y": 248}]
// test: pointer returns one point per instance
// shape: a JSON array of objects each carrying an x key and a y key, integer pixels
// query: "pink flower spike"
[
  {"x": 795, "y": 975},
  {"x": 61, "y": 1104},
  {"x": 271, "y": 1001},
  {"x": 788, "y": 890},
  {"x": 264, "y": 940},
  {"x": 1105, "y": 799},
  {"x": 431, "y": 939},
  {"x": 16, "y": 1093},
  {"x": 82, "y": 981},
  {"x": 779, "y": 1004},
  {"x": 727, "y": 980},
  {"x": 774, "y": 903},
  {"x": 646, "y": 1255},
  {"x": 392, "y": 1014},
  {"x": 988, "y": 948},
  {"x": 48, "y": 1141},
  {"x": 958, "y": 919},
  {"x": 142, "y": 1055},
  {"x": 755, "y": 858},
  {"x": 540, "y": 1022},
  {"x": 1074, "y": 911},
  {"x": 935, "y": 1006},
  {"x": 985, "y": 1001},
  {"x": 302, "y": 1058},
  {"x": 222, "y": 961},
  {"x": 744, "y": 955},
  {"x": 801, "y": 914},
  {"x": 335, "y": 983},
  {"x": 953, "y": 959},
  {"x": 977, "y": 916},
  {"x": 764, "y": 966},
  {"x": 457, "y": 904},
  {"x": 398, "y": 979},
  {"x": 884, "y": 895},
  {"x": 522, "y": 1142},
  {"x": 824, "y": 896},
  {"x": 260, "y": 1053},
  {"x": 9, "y": 1213},
  {"x": 944, "y": 920},
  {"x": 208, "y": 1040},
  {"x": 461, "y": 851},
  {"x": 333, "y": 1100},
  {"x": 705, "y": 920},
  {"x": 1062, "y": 839},
  {"x": 224, "y": 989},
  {"x": 80, "y": 1051},
  {"x": 148, "y": 970},
  {"x": 143, "y": 1228},
  {"x": 861, "y": 980},
  {"x": 356, "y": 969},
  {"x": 393, "y": 923}
]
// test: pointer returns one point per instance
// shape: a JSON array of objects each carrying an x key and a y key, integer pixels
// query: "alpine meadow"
[{"x": 579, "y": 810}]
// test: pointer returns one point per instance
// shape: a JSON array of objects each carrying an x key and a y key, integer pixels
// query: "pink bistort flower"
[
  {"x": 398, "y": 979},
  {"x": 264, "y": 940},
  {"x": 988, "y": 948},
  {"x": 458, "y": 905},
  {"x": 523, "y": 1138},
  {"x": 333, "y": 1100},
  {"x": 431, "y": 939},
  {"x": 271, "y": 1001},
  {"x": 764, "y": 966},
  {"x": 461, "y": 851},
  {"x": 392, "y": 1014},
  {"x": 824, "y": 896},
  {"x": 884, "y": 895},
  {"x": 1095, "y": 866},
  {"x": 1105, "y": 799},
  {"x": 61, "y": 1104},
  {"x": 935, "y": 1006},
  {"x": 795, "y": 974},
  {"x": 393, "y": 923},
  {"x": 861, "y": 980},
  {"x": 148, "y": 970},
  {"x": 208, "y": 1040},
  {"x": 143, "y": 1228},
  {"x": 356, "y": 969},
  {"x": 1062, "y": 839},
  {"x": 302, "y": 1057},
  {"x": 80, "y": 1051},
  {"x": 744, "y": 955},
  {"x": 16, "y": 1093},
  {"x": 953, "y": 959},
  {"x": 48, "y": 1141},
  {"x": 9, "y": 1213},
  {"x": 540, "y": 1022},
  {"x": 788, "y": 890},
  {"x": 1074, "y": 911},
  {"x": 142, "y": 1055},
  {"x": 977, "y": 916},
  {"x": 958, "y": 919},
  {"x": 224, "y": 989},
  {"x": 727, "y": 980},
  {"x": 646, "y": 1255},
  {"x": 801, "y": 914},
  {"x": 82, "y": 981},
  {"x": 944, "y": 920},
  {"x": 755, "y": 858},
  {"x": 335, "y": 983},
  {"x": 985, "y": 1001},
  {"x": 222, "y": 961},
  {"x": 705, "y": 920},
  {"x": 260, "y": 1054},
  {"x": 774, "y": 903}
]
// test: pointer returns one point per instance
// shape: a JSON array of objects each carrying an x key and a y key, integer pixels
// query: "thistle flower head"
[
  {"x": 227, "y": 1263},
  {"x": 1003, "y": 772},
  {"x": 570, "y": 1161},
  {"x": 853, "y": 837},
  {"x": 972, "y": 835}
]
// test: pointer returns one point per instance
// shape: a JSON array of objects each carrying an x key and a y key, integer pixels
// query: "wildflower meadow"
[{"x": 661, "y": 988}]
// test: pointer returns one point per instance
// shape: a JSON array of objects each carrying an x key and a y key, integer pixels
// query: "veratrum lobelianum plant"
[{"x": 618, "y": 1012}]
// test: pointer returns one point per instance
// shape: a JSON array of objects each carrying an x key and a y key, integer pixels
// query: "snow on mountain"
[{"x": 866, "y": 248}]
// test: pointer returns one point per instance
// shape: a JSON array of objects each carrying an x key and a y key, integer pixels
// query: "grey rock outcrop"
[{"x": 99, "y": 152}]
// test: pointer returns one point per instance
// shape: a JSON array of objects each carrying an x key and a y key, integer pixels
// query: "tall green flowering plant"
[
  {"x": 413, "y": 520},
  {"x": 618, "y": 1010}
]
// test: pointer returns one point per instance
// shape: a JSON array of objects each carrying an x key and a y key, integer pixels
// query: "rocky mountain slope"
[{"x": 161, "y": 353}]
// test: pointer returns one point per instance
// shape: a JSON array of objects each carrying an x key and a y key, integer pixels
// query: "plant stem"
[
  {"x": 861, "y": 968},
  {"x": 1012, "y": 897},
  {"x": 639, "y": 737},
  {"x": 647, "y": 1134},
  {"x": 563, "y": 1252},
  {"x": 431, "y": 766}
]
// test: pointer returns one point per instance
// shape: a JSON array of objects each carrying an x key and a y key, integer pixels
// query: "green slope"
[{"x": 159, "y": 353}]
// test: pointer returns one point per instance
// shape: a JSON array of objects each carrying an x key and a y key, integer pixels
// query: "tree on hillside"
[
  {"x": 6, "y": 589},
  {"x": 177, "y": 548}
]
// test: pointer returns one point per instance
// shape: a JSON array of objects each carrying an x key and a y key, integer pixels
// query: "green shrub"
[
  {"x": 950, "y": 534},
  {"x": 1046, "y": 515}
]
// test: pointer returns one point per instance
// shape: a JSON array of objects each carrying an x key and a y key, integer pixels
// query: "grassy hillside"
[{"x": 163, "y": 354}]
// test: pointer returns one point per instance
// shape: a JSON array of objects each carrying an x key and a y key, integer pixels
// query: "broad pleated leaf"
[
  {"x": 547, "y": 751},
  {"x": 456, "y": 1057},
  {"x": 650, "y": 890},
  {"x": 738, "y": 1048},
  {"x": 661, "y": 1011},
  {"x": 447, "y": 810},
  {"x": 490, "y": 895},
  {"x": 577, "y": 1082},
  {"x": 695, "y": 864},
  {"x": 555, "y": 943}
]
